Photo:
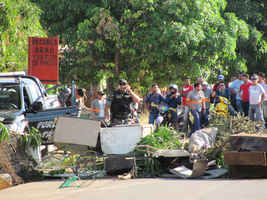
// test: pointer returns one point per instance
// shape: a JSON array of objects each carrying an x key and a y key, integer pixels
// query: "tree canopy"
[
  {"x": 19, "y": 19},
  {"x": 143, "y": 41}
]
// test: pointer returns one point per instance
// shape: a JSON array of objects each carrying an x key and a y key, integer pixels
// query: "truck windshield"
[{"x": 10, "y": 97}]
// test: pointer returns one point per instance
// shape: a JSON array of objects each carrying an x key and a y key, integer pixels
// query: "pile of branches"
[{"x": 232, "y": 125}]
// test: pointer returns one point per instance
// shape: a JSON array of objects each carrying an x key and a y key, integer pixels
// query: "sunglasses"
[{"x": 123, "y": 84}]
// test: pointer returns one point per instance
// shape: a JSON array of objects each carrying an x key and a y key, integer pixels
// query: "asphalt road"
[{"x": 156, "y": 189}]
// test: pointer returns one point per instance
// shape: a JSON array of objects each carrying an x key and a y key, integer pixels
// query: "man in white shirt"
[
  {"x": 256, "y": 97},
  {"x": 263, "y": 83},
  {"x": 99, "y": 107}
]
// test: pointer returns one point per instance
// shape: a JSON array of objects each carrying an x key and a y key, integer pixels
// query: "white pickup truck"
[{"x": 24, "y": 103}]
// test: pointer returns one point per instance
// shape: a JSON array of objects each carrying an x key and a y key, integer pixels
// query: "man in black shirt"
[{"x": 120, "y": 103}]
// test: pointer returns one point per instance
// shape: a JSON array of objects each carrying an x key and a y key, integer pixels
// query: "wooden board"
[
  {"x": 236, "y": 171},
  {"x": 243, "y": 142},
  {"x": 245, "y": 158}
]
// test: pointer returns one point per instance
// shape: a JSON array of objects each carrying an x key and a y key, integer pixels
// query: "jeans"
[
  {"x": 255, "y": 113},
  {"x": 197, "y": 115},
  {"x": 152, "y": 117},
  {"x": 186, "y": 116},
  {"x": 245, "y": 107},
  {"x": 264, "y": 108},
  {"x": 205, "y": 117},
  {"x": 239, "y": 105}
]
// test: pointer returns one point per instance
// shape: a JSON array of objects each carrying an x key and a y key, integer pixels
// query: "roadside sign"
[{"x": 43, "y": 59}]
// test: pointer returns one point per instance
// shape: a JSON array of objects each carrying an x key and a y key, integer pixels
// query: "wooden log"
[{"x": 245, "y": 158}]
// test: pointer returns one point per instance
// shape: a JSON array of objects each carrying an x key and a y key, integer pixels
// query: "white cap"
[
  {"x": 220, "y": 77},
  {"x": 204, "y": 83}
]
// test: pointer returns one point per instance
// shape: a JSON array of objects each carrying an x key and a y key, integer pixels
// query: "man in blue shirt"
[
  {"x": 173, "y": 99},
  {"x": 234, "y": 87},
  {"x": 152, "y": 102}
]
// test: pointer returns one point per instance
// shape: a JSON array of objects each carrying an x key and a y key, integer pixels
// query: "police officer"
[{"x": 120, "y": 101}]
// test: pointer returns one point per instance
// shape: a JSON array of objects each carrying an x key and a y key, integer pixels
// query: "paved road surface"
[{"x": 156, "y": 189}]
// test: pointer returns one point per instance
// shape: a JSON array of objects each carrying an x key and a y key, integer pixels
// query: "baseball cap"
[
  {"x": 220, "y": 77},
  {"x": 123, "y": 82},
  {"x": 204, "y": 83},
  {"x": 100, "y": 92},
  {"x": 254, "y": 77}
]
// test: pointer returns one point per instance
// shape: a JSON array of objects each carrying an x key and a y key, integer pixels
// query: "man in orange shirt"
[{"x": 185, "y": 90}]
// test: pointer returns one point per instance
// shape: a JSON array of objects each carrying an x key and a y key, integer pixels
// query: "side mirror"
[{"x": 37, "y": 106}]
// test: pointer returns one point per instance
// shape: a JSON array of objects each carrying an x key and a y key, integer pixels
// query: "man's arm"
[{"x": 136, "y": 98}]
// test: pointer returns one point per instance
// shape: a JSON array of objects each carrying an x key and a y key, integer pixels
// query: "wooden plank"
[
  {"x": 245, "y": 158},
  {"x": 236, "y": 171},
  {"x": 248, "y": 143}
]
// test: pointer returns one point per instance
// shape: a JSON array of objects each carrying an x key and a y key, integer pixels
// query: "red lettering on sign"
[{"x": 43, "y": 59}]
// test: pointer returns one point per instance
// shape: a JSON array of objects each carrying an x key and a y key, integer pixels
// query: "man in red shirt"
[
  {"x": 244, "y": 93},
  {"x": 185, "y": 90}
]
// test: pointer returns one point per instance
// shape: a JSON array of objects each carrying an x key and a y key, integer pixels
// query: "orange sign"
[{"x": 43, "y": 59}]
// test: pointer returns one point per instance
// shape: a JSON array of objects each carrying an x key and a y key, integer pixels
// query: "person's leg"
[
  {"x": 196, "y": 125},
  {"x": 151, "y": 118},
  {"x": 265, "y": 112},
  {"x": 205, "y": 118},
  {"x": 245, "y": 107},
  {"x": 251, "y": 112},
  {"x": 186, "y": 116},
  {"x": 239, "y": 106},
  {"x": 259, "y": 116}
]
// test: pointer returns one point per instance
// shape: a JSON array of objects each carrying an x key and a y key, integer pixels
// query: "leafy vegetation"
[
  {"x": 3, "y": 133},
  {"x": 32, "y": 139},
  {"x": 163, "y": 138},
  {"x": 19, "y": 19}
]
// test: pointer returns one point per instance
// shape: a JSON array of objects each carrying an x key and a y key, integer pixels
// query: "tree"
[
  {"x": 19, "y": 19},
  {"x": 253, "y": 51},
  {"x": 146, "y": 40}
]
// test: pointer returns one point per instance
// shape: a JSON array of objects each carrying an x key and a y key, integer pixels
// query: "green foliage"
[
  {"x": 254, "y": 50},
  {"x": 3, "y": 132},
  {"x": 163, "y": 138},
  {"x": 19, "y": 19},
  {"x": 32, "y": 139},
  {"x": 150, "y": 41}
]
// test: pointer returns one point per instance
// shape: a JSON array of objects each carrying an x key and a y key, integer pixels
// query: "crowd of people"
[{"x": 247, "y": 95}]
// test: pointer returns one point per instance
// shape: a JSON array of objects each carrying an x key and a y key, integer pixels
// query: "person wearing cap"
[
  {"x": 256, "y": 98},
  {"x": 196, "y": 103},
  {"x": 234, "y": 88},
  {"x": 244, "y": 94},
  {"x": 220, "y": 79},
  {"x": 152, "y": 102},
  {"x": 221, "y": 91},
  {"x": 207, "y": 94},
  {"x": 173, "y": 99},
  {"x": 99, "y": 107},
  {"x": 263, "y": 83},
  {"x": 184, "y": 92},
  {"x": 120, "y": 103}
]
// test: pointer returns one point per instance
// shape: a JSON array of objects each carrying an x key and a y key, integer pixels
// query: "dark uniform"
[
  {"x": 173, "y": 103},
  {"x": 120, "y": 107}
]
